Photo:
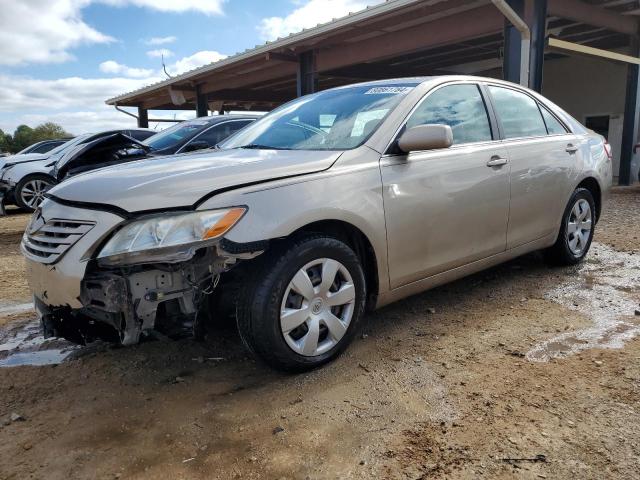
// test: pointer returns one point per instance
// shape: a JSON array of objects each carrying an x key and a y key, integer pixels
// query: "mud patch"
[
  {"x": 23, "y": 344},
  {"x": 604, "y": 289}
]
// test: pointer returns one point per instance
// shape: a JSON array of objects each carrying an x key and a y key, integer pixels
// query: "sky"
[{"x": 61, "y": 59}]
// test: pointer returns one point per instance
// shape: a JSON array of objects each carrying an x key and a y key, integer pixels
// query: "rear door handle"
[
  {"x": 497, "y": 161},
  {"x": 571, "y": 148}
]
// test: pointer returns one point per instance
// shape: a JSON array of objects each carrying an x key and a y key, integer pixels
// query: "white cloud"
[
  {"x": 196, "y": 60},
  {"x": 160, "y": 40},
  {"x": 310, "y": 14},
  {"x": 19, "y": 93},
  {"x": 45, "y": 31},
  {"x": 111, "y": 66},
  {"x": 208, "y": 7},
  {"x": 159, "y": 53},
  {"x": 78, "y": 103}
]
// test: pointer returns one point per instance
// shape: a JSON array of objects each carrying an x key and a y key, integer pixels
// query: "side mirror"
[
  {"x": 197, "y": 145},
  {"x": 426, "y": 137}
]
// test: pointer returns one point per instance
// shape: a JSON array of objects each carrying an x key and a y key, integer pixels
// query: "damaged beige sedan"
[{"x": 336, "y": 202}]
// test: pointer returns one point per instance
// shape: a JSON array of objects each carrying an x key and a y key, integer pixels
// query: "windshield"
[
  {"x": 26, "y": 150},
  {"x": 338, "y": 119},
  {"x": 176, "y": 134}
]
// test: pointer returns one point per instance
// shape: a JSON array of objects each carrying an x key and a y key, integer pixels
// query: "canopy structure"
[{"x": 402, "y": 38}]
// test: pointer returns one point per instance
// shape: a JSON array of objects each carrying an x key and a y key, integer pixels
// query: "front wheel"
[
  {"x": 303, "y": 304},
  {"x": 576, "y": 231},
  {"x": 31, "y": 189}
]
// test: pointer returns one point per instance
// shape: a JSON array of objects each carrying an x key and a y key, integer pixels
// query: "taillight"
[{"x": 607, "y": 149}]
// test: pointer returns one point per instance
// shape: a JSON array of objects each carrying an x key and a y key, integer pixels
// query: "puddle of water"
[
  {"x": 37, "y": 358},
  {"x": 10, "y": 308},
  {"x": 25, "y": 345},
  {"x": 606, "y": 289}
]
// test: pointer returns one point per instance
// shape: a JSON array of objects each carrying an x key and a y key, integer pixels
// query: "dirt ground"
[{"x": 522, "y": 371}]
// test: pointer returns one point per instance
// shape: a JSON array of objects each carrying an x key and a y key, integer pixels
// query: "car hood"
[
  {"x": 183, "y": 180},
  {"x": 26, "y": 157},
  {"x": 101, "y": 152}
]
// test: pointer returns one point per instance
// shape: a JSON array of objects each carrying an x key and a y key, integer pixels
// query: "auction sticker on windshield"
[{"x": 387, "y": 90}]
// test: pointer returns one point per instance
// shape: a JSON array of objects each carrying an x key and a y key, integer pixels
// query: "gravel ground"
[{"x": 522, "y": 371}]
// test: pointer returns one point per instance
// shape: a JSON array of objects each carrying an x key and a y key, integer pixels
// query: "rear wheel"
[
  {"x": 30, "y": 191},
  {"x": 304, "y": 303},
  {"x": 576, "y": 231}
]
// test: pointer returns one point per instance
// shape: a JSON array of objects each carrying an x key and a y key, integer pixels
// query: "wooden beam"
[
  {"x": 202, "y": 109},
  {"x": 307, "y": 77},
  {"x": 283, "y": 57},
  {"x": 245, "y": 95},
  {"x": 143, "y": 118},
  {"x": 562, "y": 46},
  {"x": 584, "y": 13},
  {"x": 457, "y": 28},
  {"x": 184, "y": 88},
  {"x": 379, "y": 71},
  {"x": 267, "y": 73}
]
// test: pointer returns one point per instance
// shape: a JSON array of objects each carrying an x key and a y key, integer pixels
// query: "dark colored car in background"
[
  {"x": 198, "y": 134},
  {"x": 43, "y": 147}
]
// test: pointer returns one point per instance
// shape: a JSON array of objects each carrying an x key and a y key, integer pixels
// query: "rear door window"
[
  {"x": 519, "y": 113},
  {"x": 459, "y": 106}
]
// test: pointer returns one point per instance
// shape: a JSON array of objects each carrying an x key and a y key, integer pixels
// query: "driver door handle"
[{"x": 497, "y": 161}]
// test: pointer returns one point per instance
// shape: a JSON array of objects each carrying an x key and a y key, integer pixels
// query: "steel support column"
[
  {"x": 307, "y": 81},
  {"x": 512, "y": 45},
  {"x": 538, "y": 25},
  {"x": 202, "y": 107},
  {"x": 143, "y": 117},
  {"x": 631, "y": 114}
]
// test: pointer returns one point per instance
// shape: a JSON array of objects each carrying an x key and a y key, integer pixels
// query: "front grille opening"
[{"x": 54, "y": 238}]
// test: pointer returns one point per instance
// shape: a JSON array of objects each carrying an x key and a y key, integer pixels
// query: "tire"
[
  {"x": 570, "y": 248},
  {"x": 38, "y": 184},
  {"x": 270, "y": 289}
]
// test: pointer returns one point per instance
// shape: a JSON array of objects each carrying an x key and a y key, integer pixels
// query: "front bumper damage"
[
  {"x": 123, "y": 304},
  {"x": 80, "y": 299}
]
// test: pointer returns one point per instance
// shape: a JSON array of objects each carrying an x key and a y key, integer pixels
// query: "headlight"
[{"x": 171, "y": 231}]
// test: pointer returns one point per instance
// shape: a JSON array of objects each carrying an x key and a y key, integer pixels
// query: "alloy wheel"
[
  {"x": 579, "y": 227},
  {"x": 33, "y": 191},
  {"x": 317, "y": 307}
]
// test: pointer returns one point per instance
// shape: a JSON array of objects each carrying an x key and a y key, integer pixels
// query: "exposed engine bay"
[{"x": 122, "y": 304}]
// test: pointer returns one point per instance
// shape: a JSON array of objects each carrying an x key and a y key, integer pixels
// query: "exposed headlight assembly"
[{"x": 151, "y": 237}]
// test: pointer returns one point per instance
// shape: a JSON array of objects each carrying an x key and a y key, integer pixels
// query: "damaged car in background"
[
  {"x": 24, "y": 179},
  {"x": 336, "y": 202}
]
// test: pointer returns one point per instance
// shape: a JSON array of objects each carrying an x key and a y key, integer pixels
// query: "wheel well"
[
  {"x": 358, "y": 242},
  {"x": 592, "y": 185}
]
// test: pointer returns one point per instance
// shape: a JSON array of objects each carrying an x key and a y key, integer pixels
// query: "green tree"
[
  {"x": 48, "y": 131},
  {"x": 5, "y": 142},
  {"x": 22, "y": 138},
  {"x": 25, "y": 136}
]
